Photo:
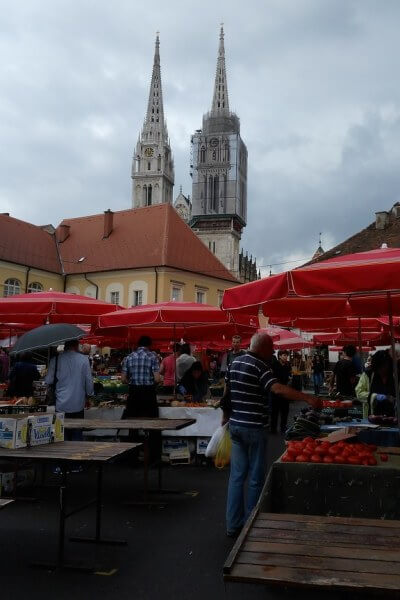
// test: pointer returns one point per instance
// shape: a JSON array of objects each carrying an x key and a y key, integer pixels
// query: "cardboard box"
[
  {"x": 13, "y": 431},
  {"x": 25, "y": 477},
  {"x": 58, "y": 427},
  {"x": 201, "y": 445},
  {"x": 40, "y": 429}
]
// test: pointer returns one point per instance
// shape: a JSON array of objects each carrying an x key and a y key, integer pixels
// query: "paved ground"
[{"x": 175, "y": 553}]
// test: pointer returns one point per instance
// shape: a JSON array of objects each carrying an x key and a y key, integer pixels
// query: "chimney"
[
  {"x": 62, "y": 232},
  {"x": 108, "y": 222},
  {"x": 381, "y": 219}
]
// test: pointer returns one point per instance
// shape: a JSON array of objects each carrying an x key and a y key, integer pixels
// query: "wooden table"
[
  {"x": 318, "y": 552},
  {"x": 142, "y": 424},
  {"x": 64, "y": 454}
]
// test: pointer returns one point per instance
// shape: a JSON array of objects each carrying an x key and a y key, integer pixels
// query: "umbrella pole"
[
  {"x": 360, "y": 347},
  {"x": 173, "y": 349},
  {"x": 394, "y": 357}
]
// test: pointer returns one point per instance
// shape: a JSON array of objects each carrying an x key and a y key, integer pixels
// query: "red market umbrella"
[
  {"x": 286, "y": 340},
  {"x": 52, "y": 307},
  {"x": 165, "y": 313}
]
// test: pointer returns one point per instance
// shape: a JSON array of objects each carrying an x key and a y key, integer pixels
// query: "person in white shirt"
[
  {"x": 71, "y": 376},
  {"x": 184, "y": 361}
]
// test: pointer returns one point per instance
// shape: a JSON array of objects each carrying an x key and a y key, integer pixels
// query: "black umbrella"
[{"x": 46, "y": 336}]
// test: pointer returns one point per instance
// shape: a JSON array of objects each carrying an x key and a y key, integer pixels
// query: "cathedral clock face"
[
  {"x": 149, "y": 152},
  {"x": 213, "y": 142}
]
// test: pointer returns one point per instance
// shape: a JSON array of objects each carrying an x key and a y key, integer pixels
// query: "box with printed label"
[
  {"x": 201, "y": 445},
  {"x": 58, "y": 427},
  {"x": 40, "y": 429},
  {"x": 13, "y": 431}
]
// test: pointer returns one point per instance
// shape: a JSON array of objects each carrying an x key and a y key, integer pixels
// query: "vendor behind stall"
[
  {"x": 194, "y": 382},
  {"x": 344, "y": 373},
  {"x": 376, "y": 385},
  {"x": 22, "y": 375}
]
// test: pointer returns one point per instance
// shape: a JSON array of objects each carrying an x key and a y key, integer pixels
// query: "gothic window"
[
  {"x": 202, "y": 154},
  {"x": 159, "y": 162},
  {"x": 144, "y": 195},
  {"x": 149, "y": 166},
  {"x": 149, "y": 195},
  {"x": 214, "y": 155}
]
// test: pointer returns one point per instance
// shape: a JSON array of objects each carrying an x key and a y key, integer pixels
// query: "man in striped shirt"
[{"x": 250, "y": 382}]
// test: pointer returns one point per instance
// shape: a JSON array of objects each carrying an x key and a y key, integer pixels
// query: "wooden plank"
[
  {"x": 326, "y": 519},
  {"x": 131, "y": 424},
  {"x": 314, "y": 578},
  {"x": 318, "y": 562},
  {"x": 365, "y": 552},
  {"x": 5, "y": 502},
  {"x": 310, "y": 537},
  {"x": 328, "y": 527},
  {"x": 74, "y": 451}
]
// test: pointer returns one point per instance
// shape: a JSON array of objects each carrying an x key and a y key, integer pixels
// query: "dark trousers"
[
  {"x": 74, "y": 435},
  {"x": 279, "y": 406},
  {"x": 142, "y": 402}
]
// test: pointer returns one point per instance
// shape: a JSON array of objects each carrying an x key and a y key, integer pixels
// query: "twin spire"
[
  {"x": 155, "y": 106},
  {"x": 220, "y": 103}
]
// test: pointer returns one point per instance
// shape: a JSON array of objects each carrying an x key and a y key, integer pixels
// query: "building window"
[
  {"x": 35, "y": 286},
  {"x": 114, "y": 297},
  {"x": 176, "y": 293},
  {"x": 220, "y": 295},
  {"x": 202, "y": 154},
  {"x": 149, "y": 195},
  {"x": 137, "y": 297},
  {"x": 149, "y": 166},
  {"x": 11, "y": 287},
  {"x": 200, "y": 296}
]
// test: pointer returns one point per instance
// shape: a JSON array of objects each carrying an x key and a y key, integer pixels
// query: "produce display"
[
  {"x": 383, "y": 421},
  {"x": 306, "y": 424},
  {"x": 312, "y": 450},
  {"x": 337, "y": 403}
]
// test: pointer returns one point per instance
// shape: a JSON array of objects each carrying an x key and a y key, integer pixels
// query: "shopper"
[
  {"x": 142, "y": 371},
  {"x": 376, "y": 385},
  {"x": 194, "y": 382},
  {"x": 344, "y": 373},
  {"x": 70, "y": 375},
  {"x": 250, "y": 381},
  {"x": 318, "y": 373},
  {"x": 282, "y": 370},
  {"x": 184, "y": 361},
  {"x": 22, "y": 375},
  {"x": 167, "y": 370}
]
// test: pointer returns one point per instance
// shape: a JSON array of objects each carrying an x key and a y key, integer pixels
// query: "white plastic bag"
[{"x": 213, "y": 444}]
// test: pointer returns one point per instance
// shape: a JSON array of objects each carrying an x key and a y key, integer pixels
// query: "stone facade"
[
  {"x": 183, "y": 206},
  {"x": 153, "y": 165},
  {"x": 219, "y": 172}
]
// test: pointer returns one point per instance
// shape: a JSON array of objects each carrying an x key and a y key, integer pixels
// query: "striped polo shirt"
[{"x": 250, "y": 381}]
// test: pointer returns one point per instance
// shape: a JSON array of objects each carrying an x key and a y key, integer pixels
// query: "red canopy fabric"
[
  {"x": 286, "y": 340},
  {"x": 352, "y": 285},
  {"x": 179, "y": 313},
  {"x": 53, "y": 307}
]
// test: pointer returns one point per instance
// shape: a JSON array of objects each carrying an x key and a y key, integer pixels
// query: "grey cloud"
[{"x": 314, "y": 83}]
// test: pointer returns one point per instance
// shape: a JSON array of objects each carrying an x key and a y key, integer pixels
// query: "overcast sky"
[{"x": 315, "y": 83}]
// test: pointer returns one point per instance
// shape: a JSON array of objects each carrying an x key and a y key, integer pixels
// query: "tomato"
[
  {"x": 384, "y": 457},
  {"x": 319, "y": 450},
  {"x": 328, "y": 459},
  {"x": 340, "y": 459},
  {"x": 307, "y": 452},
  {"x": 301, "y": 458},
  {"x": 354, "y": 459},
  {"x": 332, "y": 451},
  {"x": 288, "y": 457},
  {"x": 316, "y": 458},
  {"x": 372, "y": 461},
  {"x": 308, "y": 439},
  {"x": 325, "y": 445}
]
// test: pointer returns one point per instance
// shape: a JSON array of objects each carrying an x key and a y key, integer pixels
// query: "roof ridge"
[{"x": 116, "y": 212}]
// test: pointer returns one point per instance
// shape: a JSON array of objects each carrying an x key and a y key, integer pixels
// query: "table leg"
[
  {"x": 146, "y": 467},
  {"x": 97, "y": 539}
]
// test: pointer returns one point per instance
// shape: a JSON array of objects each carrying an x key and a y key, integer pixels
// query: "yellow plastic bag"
[{"x": 223, "y": 456}]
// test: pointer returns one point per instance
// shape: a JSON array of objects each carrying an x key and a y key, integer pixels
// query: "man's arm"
[
  {"x": 49, "y": 379},
  {"x": 291, "y": 394},
  {"x": 156, "y": 370},
  {"x": 88, "y": 379}
]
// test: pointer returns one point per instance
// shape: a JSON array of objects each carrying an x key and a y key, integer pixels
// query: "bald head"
[{"x": 262, "y": 345}]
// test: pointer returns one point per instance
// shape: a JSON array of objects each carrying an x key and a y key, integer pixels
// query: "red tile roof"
[
  {"x": 27, "y": 244},
  {"x": 143, "y": 237}
]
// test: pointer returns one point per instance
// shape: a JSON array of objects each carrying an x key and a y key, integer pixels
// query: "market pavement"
[{"x": 174, "y": 553}]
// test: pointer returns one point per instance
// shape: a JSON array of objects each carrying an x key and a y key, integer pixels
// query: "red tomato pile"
[{"x": 342, "y": 453}]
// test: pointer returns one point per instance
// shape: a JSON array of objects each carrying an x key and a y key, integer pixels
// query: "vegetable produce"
[{"x": 322, "y": 451}]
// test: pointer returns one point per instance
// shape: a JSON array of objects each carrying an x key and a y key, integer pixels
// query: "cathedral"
[{"x": 217, "y": 208}]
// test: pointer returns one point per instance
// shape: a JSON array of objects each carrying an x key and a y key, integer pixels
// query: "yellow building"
[{"x": 130, "y": 257}]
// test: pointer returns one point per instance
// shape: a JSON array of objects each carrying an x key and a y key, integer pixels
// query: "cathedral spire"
[
  {"x": 220, "y": 103},
  {"x": 155, "y": 107}
]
